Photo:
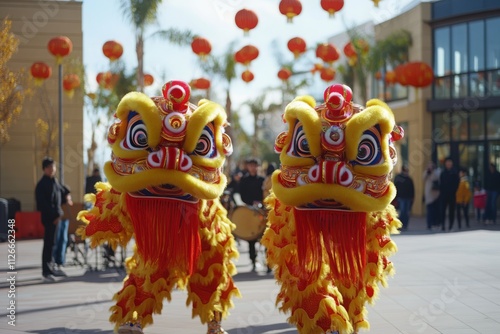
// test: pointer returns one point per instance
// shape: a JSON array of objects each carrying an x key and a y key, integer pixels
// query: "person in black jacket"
[
  {"x": 405, "y": 195},
  {"x": 448, "y": 185},
  {"x": 251, "y": 193},
  {"x": 49, "y": 193}
]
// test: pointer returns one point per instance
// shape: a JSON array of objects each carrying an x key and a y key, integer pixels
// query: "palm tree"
[{"x": 142, "y": 14}]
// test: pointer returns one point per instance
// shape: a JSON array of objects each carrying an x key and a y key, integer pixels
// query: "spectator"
[
  {"x": 266, "y": 186},
  {"x": 479, "y": 201},
  {"x": 251, "y": 194},
  {"x": 431, "y": 195},
  {"x": 463, "y": 197},
  {"x": 448, "y": 185},
  {"x": 405, "y": 195},
  {"x": 48, "y": 193},
  {"x": 492, "y": 186},
  {"x": 59, "y": 251}
]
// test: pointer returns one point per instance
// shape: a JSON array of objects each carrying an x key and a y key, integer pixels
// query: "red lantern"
[
  {"x": 246, "y": 20},
  {"x": 317, "y": 68},
  {"x": 332, "y": 6},
  {"x": 378, "y": 75},
  {"x": 200, "y": 83},
  {"x": 246, "y": 55},
  {"x": 60, "y": 47},
  {"x": 148, "y": 80},
  {"x": 390, "y": 77},
  {"x": 70, "y": 82},
  {"x": 112, "y": 50},
  {"x": 201, "y": 46},
  {"x": 247, "y": 76},
  {"x": 327, "y": 52},
  {"x": 107, "y": 79},
  {"x": 290, "y": 8},
  {"x": 284, "y": 74},
  {"x": 297, "y": 45},
  {"x": 40, "y": 71},
  {"x": 418, "y": 74},
  {"x": 327, "y": 74}
]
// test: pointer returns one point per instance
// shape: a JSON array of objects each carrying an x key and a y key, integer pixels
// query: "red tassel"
[
  {"x": 166, "y": 231},
  {"x": 336, "y": 236}
]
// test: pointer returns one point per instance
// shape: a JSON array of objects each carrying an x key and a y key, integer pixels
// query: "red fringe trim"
[
  {"x": 333, "y": 236},
  {"x": 166, "y": 231}
]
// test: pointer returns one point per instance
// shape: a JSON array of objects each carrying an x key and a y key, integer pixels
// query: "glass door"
[{"x": 471, "y": 156}]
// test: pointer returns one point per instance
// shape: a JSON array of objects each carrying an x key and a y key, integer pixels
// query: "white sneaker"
[{"x": 48, "y": 279}]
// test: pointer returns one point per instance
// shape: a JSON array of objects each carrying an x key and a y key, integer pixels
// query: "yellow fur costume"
[
  {"x": 165, "y": 178},
  {"x": 329, "y": 210}
]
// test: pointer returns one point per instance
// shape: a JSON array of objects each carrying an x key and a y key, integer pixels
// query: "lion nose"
[
  {"x": 170, "y": 158},
  {"x": 331, "y": 172}
]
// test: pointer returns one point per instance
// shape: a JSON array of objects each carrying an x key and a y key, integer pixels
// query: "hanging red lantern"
[
  {"x": 317, "y": 68},
  {"x": 327, "y": 74},
  {"x": 112, "y": 50},
  {"x": 297, "y": 46},
  {"x": 247, "y": 76},
  {"x": 70, "y": 83},
  {"x": 378, "y": 75},
  {"x": 284, "y": 74},
  {"x": 400, "y": 75},
  {"x": 290, "y": 8},
  {"x": 107, "y": 80},
  {"x": 60, "y": 47},
  {"x": 332, "y": 6},
  {"x": 40, "y": 71},
  {"x": 246, "y": 20},
  {"x": 246, "y": 55},
  {"x": 418, "y": 74},
  {"x": 201, "y": 47},
  {"x": 148, "y": 80},
  {"x": 327, "y": 52},
  {"x": 200, "y": 83},
  {"x": 390, "y": 78}
]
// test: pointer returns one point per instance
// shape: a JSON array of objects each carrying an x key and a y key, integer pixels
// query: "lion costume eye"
[
  {"x": 206, "y": 144},
  {"x": 369, "y": 151},
  {"x": 137, "y": 135},
  {"x": 299, "y": 145}
]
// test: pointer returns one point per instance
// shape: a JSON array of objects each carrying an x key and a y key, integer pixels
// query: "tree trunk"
[{"x": 139, "y": 49}]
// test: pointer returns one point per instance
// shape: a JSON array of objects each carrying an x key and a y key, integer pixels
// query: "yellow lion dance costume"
[
  {"x": 165, "y": 178},
  {"x": 329, "y": 211}
]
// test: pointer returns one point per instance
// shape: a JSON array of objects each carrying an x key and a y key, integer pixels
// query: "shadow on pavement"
[
  {"x": 263, "y": 329},
  {"x": 62, "y": 330}
]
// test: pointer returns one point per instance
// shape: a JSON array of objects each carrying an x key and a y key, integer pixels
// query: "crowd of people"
[{"x": 448, "y": 194}]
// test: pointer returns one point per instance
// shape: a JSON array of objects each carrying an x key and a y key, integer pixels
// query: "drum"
[{"x": 250, "y": 222}]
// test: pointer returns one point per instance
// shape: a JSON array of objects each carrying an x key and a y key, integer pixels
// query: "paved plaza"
[{"x": 444, "y": 283}]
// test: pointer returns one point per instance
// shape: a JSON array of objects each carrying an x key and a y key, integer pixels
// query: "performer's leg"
[
  {"x": 142, "y": 295},
  {"x": 211, "y": 287}
]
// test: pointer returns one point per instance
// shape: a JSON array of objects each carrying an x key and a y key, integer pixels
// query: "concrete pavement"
[{"x": 444, "y": 283}]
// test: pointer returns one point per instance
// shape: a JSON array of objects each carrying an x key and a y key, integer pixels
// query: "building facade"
[{"x": 35, "y": 132}]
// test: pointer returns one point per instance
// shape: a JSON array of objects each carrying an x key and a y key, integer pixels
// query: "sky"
[{"x": 214, "y": 20}]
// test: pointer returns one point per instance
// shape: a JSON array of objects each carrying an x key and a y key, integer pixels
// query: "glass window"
[
  {"x": 493, "y": 43},
  {"x": 442, "y": 88},
  {"x": 494, "y": 83},
  {"x": 459, "y": 48},
  {"x": 476, "y": 120},
  {"x": 460, "y": 86},
  {"x": 443, "y": 151},
  {"x": 477, "y": 84},
  {"x": 442, "y": 64},
  {"x": 492, "y": 122},
  {"x": 459, "y": 124},
  {"x": 441, "y": 131},
  {"x": 476, "y": 46}
]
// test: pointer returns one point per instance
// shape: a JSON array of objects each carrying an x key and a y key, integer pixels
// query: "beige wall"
[
  {"x": 413, "y": 110},
  {"x": 35, "y": 23}
]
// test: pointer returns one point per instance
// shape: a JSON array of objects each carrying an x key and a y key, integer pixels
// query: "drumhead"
[{"x": 250, "y": 222}]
